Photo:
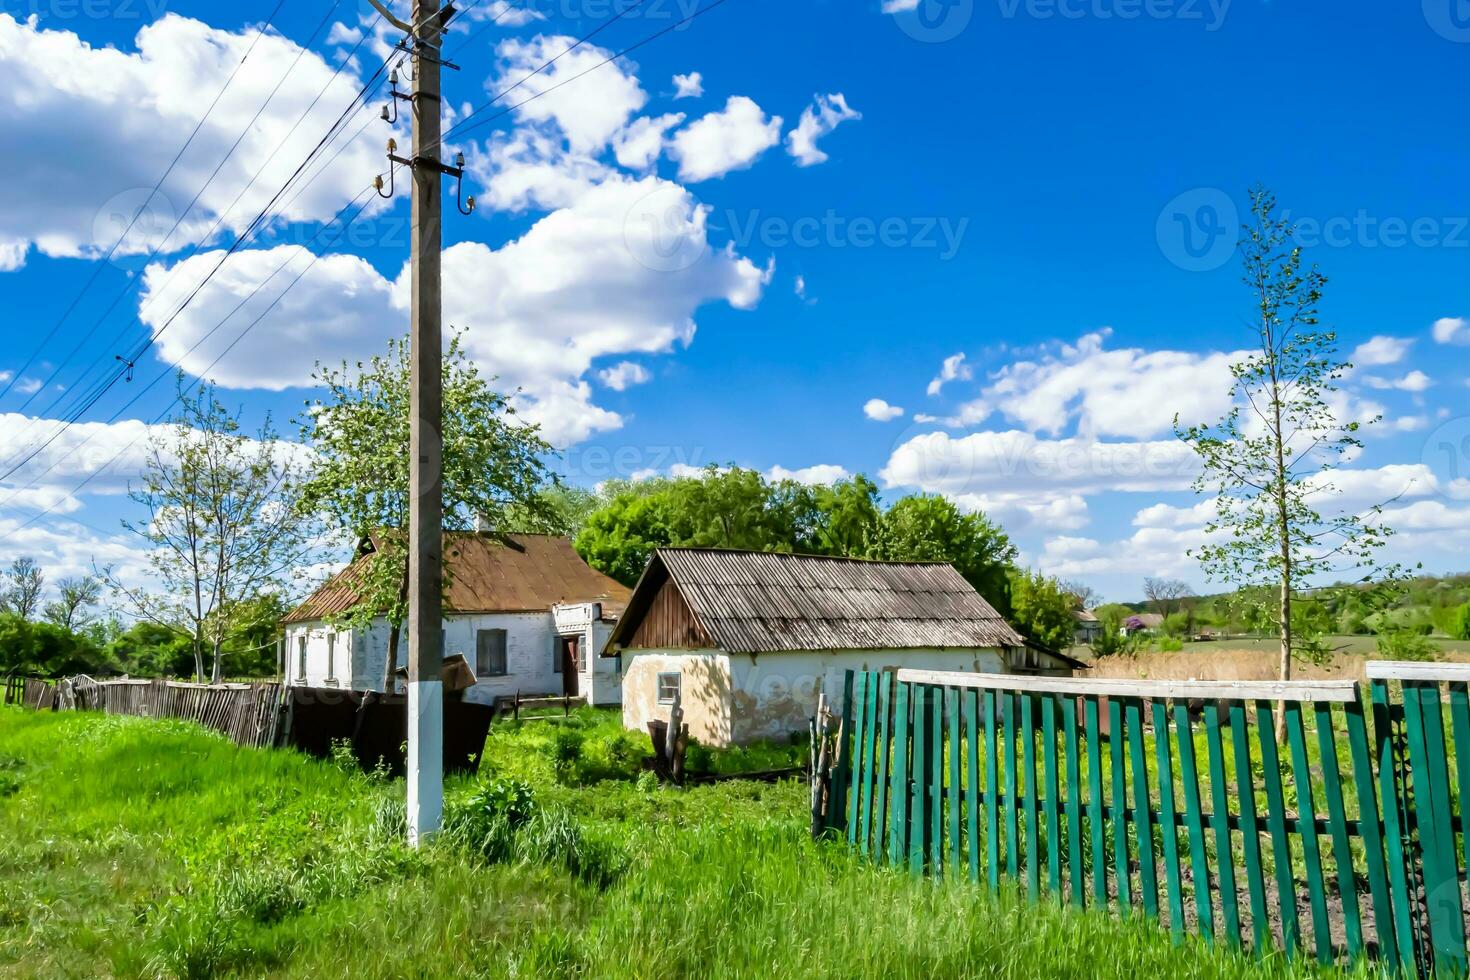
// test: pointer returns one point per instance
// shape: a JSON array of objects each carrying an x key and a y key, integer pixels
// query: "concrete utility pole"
[
  {"x": 425, "y": 446},
  {"x": 426, "y": 426}
]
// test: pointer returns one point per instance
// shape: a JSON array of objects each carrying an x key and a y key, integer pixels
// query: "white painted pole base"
[{"x": 425, "y": 759}]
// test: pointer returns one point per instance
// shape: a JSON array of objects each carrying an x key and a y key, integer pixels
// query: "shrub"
[
  {"x": 1407, "y": 645},
  {"x": 1170, "y": 644},
  {"x": 1460, "y": 623},
  {"x": 566, "y": 755}
]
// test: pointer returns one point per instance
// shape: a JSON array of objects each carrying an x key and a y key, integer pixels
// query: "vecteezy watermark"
[
  {"x": 595, "y": 463},
  {"x": 662, "y": 234},
  {"x": 132, "y": 223},
  {"x": 1197, "y": 230},
  {"x": 1450, "y": 19},
  {"x": 931, "y": 21},
  {"x": 1447, "y": 456},
  {"x": 1210, "y": 13},
  {"x": 140, "y": 10}
]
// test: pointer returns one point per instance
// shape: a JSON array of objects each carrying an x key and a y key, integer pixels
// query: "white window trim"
[{"x": 659, "y": 685}]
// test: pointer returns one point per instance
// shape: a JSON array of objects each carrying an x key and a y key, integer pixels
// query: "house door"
[{"x": 570, "y": 665}]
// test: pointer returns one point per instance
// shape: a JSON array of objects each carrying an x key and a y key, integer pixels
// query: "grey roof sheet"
[{"x": 756, "y": 602}]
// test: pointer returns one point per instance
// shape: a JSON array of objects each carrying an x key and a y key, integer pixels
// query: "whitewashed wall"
[
  {"x": 531, "y": 655},
  {"x": 742, "y": 698}
]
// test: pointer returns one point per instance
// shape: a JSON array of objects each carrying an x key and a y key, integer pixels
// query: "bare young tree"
[
  {"x": 77, "y": 597},
  {"x": 222, "y": 524},
  {"x": 1270, "y": 461},
  {"x": 1166, "y": 594},
  {"x": 1087, "y": 597},
  {"x": 22, "y": 590}
]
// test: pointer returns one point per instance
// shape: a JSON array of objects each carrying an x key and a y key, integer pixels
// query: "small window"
[
  {"x": 668, "y": 687},
  {"x": 331, "y": 656},
  {"x": 490, "y": 653},
  {"x": 301, "y": 657}
]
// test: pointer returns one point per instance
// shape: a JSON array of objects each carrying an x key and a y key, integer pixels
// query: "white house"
[
  {"x": 748, "y": 639},
  {"x": 525, "y": 611}
]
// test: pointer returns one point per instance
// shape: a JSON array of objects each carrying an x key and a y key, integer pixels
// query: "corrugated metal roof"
[
  {"x": 490, "y": 573},
  {"x": 759, "y": 602}
]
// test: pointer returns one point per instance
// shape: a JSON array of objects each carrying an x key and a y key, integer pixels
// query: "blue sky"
[{"x": 675, "y": 278}]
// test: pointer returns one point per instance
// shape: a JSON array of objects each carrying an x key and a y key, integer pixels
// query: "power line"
[
  {"x": 97, "y": 269},
  {"x": 178, "y": 222},
  {"x": 633, "y": 47},
  {"x": 92, "y": 396}
]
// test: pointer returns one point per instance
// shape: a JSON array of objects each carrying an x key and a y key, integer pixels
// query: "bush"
[
  {"x": 566, "y": 755},
  {"x": 1170, "y": 644},
  {"x": 1460, "y": 623},
  {"x": 1407, "y": 645}
]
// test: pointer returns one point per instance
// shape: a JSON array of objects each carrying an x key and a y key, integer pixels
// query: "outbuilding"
[{"x": 746, "y": 640}]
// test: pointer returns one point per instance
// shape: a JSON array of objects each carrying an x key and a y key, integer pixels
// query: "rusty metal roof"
[
  {"x": 488, "y": 573},
  {"x": 758, "y": 602}
]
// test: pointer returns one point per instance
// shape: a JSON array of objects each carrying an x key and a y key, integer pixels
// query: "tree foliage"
[
  {"x": 1269, "y": 461},
  {"x": 1042, "y": 609},
  {"x": 494, "y": 468},
  {"x": 221, "y": 524},
  {"x": 21, "y": 592},
  {"x": 738, "y": 508},
  {"x": 73, "y": 608}
]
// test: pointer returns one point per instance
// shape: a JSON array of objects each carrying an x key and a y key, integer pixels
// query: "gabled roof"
[
  {"x": 759, "y": 602},
  {"x": 488, "y": 573}
]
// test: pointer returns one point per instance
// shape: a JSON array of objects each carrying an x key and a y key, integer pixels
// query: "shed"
[{"x": 748, "y": 639}]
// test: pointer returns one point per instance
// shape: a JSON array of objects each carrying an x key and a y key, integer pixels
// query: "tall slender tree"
[
  {"x": 222, "y": 524},
  {"x": 21, "y": 594},
  {"x": 1270, "y": 461},
  {"x": 494, "y": 470}
]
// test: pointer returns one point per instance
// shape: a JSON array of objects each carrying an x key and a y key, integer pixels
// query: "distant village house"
[{"x": 524, "y": 610}]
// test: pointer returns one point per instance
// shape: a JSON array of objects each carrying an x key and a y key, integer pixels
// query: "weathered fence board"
[{"x": 1153, "y": 797}]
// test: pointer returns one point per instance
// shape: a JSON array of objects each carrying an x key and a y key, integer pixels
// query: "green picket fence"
[{"x": 1175, "y": 800}]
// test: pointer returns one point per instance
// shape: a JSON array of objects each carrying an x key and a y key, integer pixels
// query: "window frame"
[
  {"x": 678, "y": 685},
  {"x": 301, "y": 642},
  {"x": 331, "y": 655},
  {"x": 481, "y": 672}
]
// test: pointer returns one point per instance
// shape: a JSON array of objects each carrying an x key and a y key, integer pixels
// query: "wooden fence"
[
  {"x": 248, "y": 714},
  {"x": 1175, "y": 800}
]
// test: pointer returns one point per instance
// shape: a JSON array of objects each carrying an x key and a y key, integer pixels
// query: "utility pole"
[
  {"x": 425, "y": 447},
  {"x": 426, "y": 425}
]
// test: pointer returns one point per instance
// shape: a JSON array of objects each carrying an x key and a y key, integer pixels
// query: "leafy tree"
[
  {"x": 1271, "y": 457},
  {"x": 1460, "y": 629},
  {"x": 1042, "y": 609},
  {"x": 848, "y": 516},
  {"x": 925, "y": 528},
  {"x": 494, "y": 469},
  {"x": 1111, "y": 641},
  {"x": 72, "y": 608},
  {"x": 223, "y": 524},
  {"x": 620, "y": 538},
  {"x": 45, "y": 649},
  {"x": 21, "y": 593},
  {"x": 152, "y": 650}
]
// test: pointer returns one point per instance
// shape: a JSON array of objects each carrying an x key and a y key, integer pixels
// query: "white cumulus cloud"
[
  {"x": 817, "y": 120},
  {"x": 880, "y": 411},
  {"x": 1452, "y": 330},
  {"x": 731, "y": 139},
  {"x": 690, "y": 86}
]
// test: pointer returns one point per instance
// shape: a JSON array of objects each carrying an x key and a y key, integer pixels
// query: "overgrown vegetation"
[{"x": 142, "y": 848}]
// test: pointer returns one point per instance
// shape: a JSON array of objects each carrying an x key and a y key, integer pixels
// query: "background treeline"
[
  {"x": 72, "y": 634},
  {"x": 617, "y": 527}
]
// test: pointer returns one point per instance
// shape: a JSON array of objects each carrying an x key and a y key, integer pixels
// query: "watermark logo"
[
  {"x": 931, "y": 21},
  {"x": 1450, "y": 19},
  {"x": 1447, "y": 455},
  {"x": 1210, "y": 13},
  {"x": 1197, "y": 229},
  {"x": 659, "y": 233},
  {"x": 139, "y": 10},
  {"x": 138, "y": 220}
]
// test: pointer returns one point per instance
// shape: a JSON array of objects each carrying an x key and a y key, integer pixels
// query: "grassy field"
[
  {"x": 140, "y": 848},
  {"x": 1250, "y": 659}
]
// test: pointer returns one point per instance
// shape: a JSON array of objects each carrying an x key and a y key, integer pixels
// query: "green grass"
[{"x": 140, "y": 848}]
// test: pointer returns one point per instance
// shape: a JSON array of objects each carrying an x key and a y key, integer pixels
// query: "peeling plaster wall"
[
  {"x": 705, "y": 687},
  {"x": 735, "y": 699},
  {"x": 776, "y": 693}
]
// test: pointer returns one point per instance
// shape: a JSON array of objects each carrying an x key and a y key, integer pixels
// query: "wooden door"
[{"x": 570, "y": 665}]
